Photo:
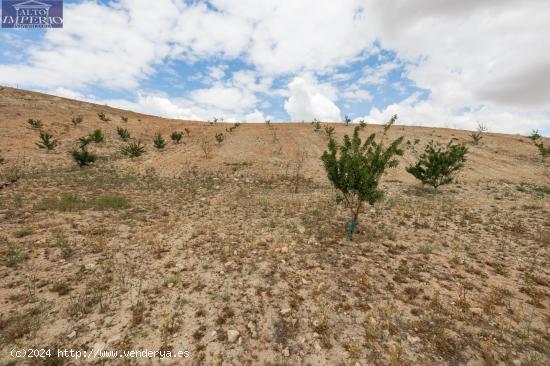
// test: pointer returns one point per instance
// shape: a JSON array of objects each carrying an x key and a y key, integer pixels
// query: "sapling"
[
  {"x": 219, "y": 138},
  {"x": 96, "y": 136},
  {"x": 35, "y": 124},
  {"x": 46, "y": 141},
  {"x": 159, "y": 141},
  {"x": 329, "y": 131},
  {"x": 123, "y": 133},
  {"x": 176, "y": 137},
  {"x": 356, "y": 167},
  {"x": 477, "y": 135},
  {"x": 133, "y": 149},
  {"x": 83, "y": 157},
  {"x": 544, "y": 151},
  {"x": 347, "y": 120},
  {"x": 124, "y": 118},
  {"x": 102, "y": 116},
  {"x": 438, "y": 165},
  {"x": 77, "y": 120}
]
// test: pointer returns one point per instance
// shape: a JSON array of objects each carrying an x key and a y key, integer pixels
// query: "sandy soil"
[{"x": 236, "y": 252}]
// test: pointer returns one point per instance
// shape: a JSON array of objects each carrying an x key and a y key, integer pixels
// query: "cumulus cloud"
[{"x": 309, "y": 100}]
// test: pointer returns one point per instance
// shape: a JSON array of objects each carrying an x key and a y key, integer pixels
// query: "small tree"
[
  {"x": 35, "y": 124},
  {"x": 77, "y": 120},
  {"x": 46, "y": 141},
  {"x": 96, "y": 136},
  {"x": 544, "y": 151},
  {"x": 356, "y": 167},
  {"x": 329, "y": 131},
  {"x": 176, "y": 137},
  {"x": 133, "y": 149},
  {"x": 347, "y": 120},
  {"x": 478, "y": 134},
  {"x": 316, "y": 125},
  {"x": 83, "y": 157},
  {"x": 102, "y": 116},
  {"x": 219, "y": 138},
  {"x": 437, "y": 165},
  {"x": 124, "y": 118},
  {"x": 123, "y": 133},
  {"x": 159, "y": 142}
]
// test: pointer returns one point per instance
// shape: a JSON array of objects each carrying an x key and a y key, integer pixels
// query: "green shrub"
[
  {"x": 124, "y": 118},
  {"x": 123, "y": 133},
  {"x": 133, "y": 149},
  {"x": 233, "y": 128},
  {"x": 83, "y": 157},
  {"x": 97, "y": 136},
  {"x": 437, "y": 165},
  {"x": 77, "y": 120},
  {"x": 329, "y": 131},
  {"x": 102, "y": 116},
  {"x": 159, "y": 142},
  {"x": 356, "y": 167},
  {"x": 316, "y": 125},
  {"x": 46, "y": 141},
  {"x": 478, "y": 134},
  {"x": 35, "y": 124},
  {"x": 176, "y": 137},
  {"x": 219, "y": 138},
  {"x": 544, "y": 151}
]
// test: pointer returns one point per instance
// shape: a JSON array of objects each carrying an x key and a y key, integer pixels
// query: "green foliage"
[
  {"x": 438, "y": 165},
  {"x": 176, "y": 136},
  {"x": 356, "y": 167},
  {"x": 46, "y": 141},
  {"x": 544, "y": 151},
  {"x": 35, "y": 124},
  {"x": 83, "y": 157},
  {"x": 133, "y": 149},
  {"x": 124, "y": 118},
  {"x": 220, "y": 137},
  {"x": 478, "y": 134},
  {"x": 97, "y": 136},
  {"x": 159, "y": 142},
  {"x": 123, "y": 133},
  {"x": 347, "y": 120},
  {"x": 329, "y": 131},
  {"x": 102, "y": 116},
  {"x": 77, "y": 120},
  {"x": 316, "y": 125},
  {"x": 233, "y": 128}
]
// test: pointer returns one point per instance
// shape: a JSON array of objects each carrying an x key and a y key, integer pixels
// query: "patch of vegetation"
[
  {"x": 316, "y": 125},
  {"x": 71, "y": 202},
  {"x": 176, "y": 136},
  {"x": 233, "y": 128},
  {"x": 219, "y": 138},
  {"x": 35, "y": 124},
  {"x": 356, "y": 167},
  {"x": 329, "y": 131},
  {"x": 133, "y": 149},
  {"x": 23, "y": 232},
  {"x": 77, "y": 120},
  {"x": 347, "y": 120},
  {"x": 83, "y": 157},
  {"x": 477, "y": 135},
  {"x": 544, "y": 151},
  {"x": 437, "y": 165},
  {"x": 97, "y": 136},
  {"x": 103, "y": 116},
  {"x": 159, "y": 141},
  {"x": 14, "y": 254},
  {"x": 124, "y": 118},
  {"x": 123, "y": 133},
  {"x": 46, "y": 141}
]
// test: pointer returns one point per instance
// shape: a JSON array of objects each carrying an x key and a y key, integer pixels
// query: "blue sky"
[{"x": 434, "y": 63}]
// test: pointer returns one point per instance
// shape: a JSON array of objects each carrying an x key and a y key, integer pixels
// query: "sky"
[{"x": 443, "y": 63}]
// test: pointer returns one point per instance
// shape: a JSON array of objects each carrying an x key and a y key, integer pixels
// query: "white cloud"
[{"x": 309, "y": 100}]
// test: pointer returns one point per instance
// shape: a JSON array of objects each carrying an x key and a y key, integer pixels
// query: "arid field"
[{"x": 236, "y": 252}]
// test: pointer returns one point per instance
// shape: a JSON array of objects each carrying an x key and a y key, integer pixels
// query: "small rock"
[
  {"x": 286, "y": 352},
  {"x": 284, "y": 250},
  {"x": 72, "y": 335},
  {"x": 92, "y": 325},
  {"x": 232, "y": 336}
]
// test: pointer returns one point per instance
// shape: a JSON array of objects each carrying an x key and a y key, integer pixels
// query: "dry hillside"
[{"x": 236, "y": 252}]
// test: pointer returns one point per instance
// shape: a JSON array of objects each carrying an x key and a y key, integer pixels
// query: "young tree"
[
  {"x": 437, "y": 165},
  {"x": 219, "y": 138},
  {"x": 478, "y": 134},
  {"x": 356, "y": 167},
  {"x": 83, "y": 157},
  {"x": 96, "y": 136},
  {"x": 347, "y": 120},
  {"x": 176, "y": 137},
  {"x": 46, "y": 141},
  {"x": 544, "y": 151},
  {"x": 35, "y": 124},
  {"x": 103, "y": 116},
  {"x": 133, "y": 149},
  {"x": 77, "y": 120},
  {"x": 123, "y": 133},
  {"x": 159, "y": 141}
]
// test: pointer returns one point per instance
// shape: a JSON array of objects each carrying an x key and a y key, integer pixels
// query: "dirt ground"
[{"x": 237, "y": 254}]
